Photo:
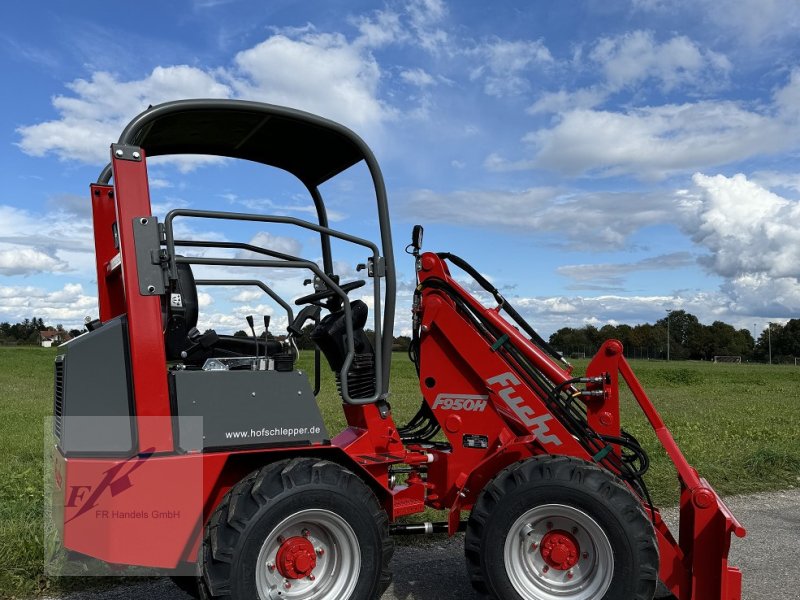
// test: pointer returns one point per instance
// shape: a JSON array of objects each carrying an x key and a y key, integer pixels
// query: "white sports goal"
[{"x": 728, "y": 359}]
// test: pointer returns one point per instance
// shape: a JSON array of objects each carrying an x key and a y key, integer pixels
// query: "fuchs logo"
[
  {"x": 117, "y": 479},
  {"x": 468, "y": 402},
  {"x": 504, "y": 387}
]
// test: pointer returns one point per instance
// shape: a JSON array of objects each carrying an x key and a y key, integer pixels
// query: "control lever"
[
  {"x": 309, "y": 312},
  {"x": 251, "y": 323},
  {"x": 199, "y": 340}
]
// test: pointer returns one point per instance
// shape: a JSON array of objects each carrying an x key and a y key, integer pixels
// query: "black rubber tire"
[
  {"x": 187, "y": 584},
  {"x": 567, "y": 481},
  {"x": 259, "y": 502}
]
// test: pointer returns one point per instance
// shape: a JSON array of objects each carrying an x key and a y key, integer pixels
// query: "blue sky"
[{"x": 601, "y": 162}]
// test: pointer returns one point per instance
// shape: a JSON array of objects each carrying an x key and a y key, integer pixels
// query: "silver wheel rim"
[
  {"x": 531, "y": 575},
  {"x": 338, "y": 558}
]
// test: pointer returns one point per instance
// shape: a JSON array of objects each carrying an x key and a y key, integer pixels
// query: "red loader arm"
[{"x": 693, "y": 568}]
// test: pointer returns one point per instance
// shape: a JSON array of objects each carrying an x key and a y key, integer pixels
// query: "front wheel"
[
  {"x": 558, "y": 528},
  {"x": 298, "y": 529}
]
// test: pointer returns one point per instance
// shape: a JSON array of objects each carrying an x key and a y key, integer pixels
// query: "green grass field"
[{"x": 737, "y": 424}]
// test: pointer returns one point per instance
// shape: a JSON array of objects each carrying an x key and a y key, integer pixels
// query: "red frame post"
[
  {"x": 110, "y": 293},
  {"x": 147, "y": 354}
]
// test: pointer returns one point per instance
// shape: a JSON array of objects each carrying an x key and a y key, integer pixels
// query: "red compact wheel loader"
[{"x": 205, "y": 456}]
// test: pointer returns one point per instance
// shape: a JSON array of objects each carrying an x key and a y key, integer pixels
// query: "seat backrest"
[
  {"x": 330, "y": 335},
  {"x": 178, "y": 320}
]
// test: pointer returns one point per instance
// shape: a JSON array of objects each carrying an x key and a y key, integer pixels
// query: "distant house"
[{"x": 51, "y": 336}]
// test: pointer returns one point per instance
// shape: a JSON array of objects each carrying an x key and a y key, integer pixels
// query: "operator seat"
[
  {"x": 179, "y": 321},
  {"x": 330, "y": 336}
]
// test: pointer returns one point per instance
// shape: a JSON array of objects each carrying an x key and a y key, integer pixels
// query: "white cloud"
[
  {"x": 650, "y": 4},
  {"x": 277, "y": 208},
  {"x": 764, "y": 296},
  {"x": 741, "y": 305},
  {"x": 320, "y": 73},
  {"x": 278, "y": 243},
  {"x": 746, "y": 228},
  {"x": 68, "y": 305},
  {"x": 56, "y": 241},
  {"x": 158, "y": 183},
  {"x": 585, "y": 219},
  {"x": 425, "y": 13},
  {"x": 417, "y": 77},
  {"x": 247, "y": 295},
  {"x": 748, "y": 235},
  {"x": 503, "y": 64},
  {"x": 98, "y": 109},
  {"x": 547, "y": 314},
  {"x": 612, "y": 275},
  {"x": 751, "y": 240},
  {"x": 425, "y": 17},
  {"x": 654, "y": 142},
  {"x": 564, "y": 101},
  {"x": 227, "y": 323},
  {"x": 204, "y": 299},
  {"x": 382, "y": 28},
  {"x": 777, "y": 179},
  {"x": 27, "y": 261},
  {"x": 417, "y": 22},
  {"x": 496, "y": 162},
  {"x": 757, "y": 21},
  {"x": 636, "y": 57},
  {"x": 745, "y": 22}
]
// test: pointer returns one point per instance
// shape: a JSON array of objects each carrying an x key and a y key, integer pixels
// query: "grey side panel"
[
  {"x": 243, "y": 409},
  {"x": 95, "y": 414}
]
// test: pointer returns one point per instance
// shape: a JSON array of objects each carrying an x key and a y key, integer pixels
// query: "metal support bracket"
[
  {"x": 376, "y": 269},
  {"x": 148, "y": 256},
  {"x": 125, "y": 152}
]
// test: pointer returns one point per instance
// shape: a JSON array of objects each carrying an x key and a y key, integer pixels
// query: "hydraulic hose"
[{"x": 510, "y": 310}]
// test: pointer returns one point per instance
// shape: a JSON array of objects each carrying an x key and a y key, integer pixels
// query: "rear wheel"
[
  {"x": 559, "y": 528},
  {"x": 297, "y": 529}
]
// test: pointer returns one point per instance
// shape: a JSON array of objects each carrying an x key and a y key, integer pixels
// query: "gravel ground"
[{"x": 435, "y": 570}]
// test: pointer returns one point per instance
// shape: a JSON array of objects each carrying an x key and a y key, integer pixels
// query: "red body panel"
[{"x": 146, "y": 523}]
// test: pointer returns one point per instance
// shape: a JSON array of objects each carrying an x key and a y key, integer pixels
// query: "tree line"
[
  {"x": 27, "y": 331},
  {"x": 688, "y": 339},
  {"x": 683, "y": 336}
]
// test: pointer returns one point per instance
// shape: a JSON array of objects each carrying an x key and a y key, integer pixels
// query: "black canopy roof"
[{"x": 310, "y": 147}]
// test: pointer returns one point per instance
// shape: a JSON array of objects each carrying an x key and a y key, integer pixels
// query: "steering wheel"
[{"x": 317, "y": 297}]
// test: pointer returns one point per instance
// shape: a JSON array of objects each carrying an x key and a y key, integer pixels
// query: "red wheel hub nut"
[
  {"x": 560, "y": 550},
  {"x": 296, "y": 558}
]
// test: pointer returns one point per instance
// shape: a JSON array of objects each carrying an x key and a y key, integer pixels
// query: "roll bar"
[{"x": 312, "y": 148}]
